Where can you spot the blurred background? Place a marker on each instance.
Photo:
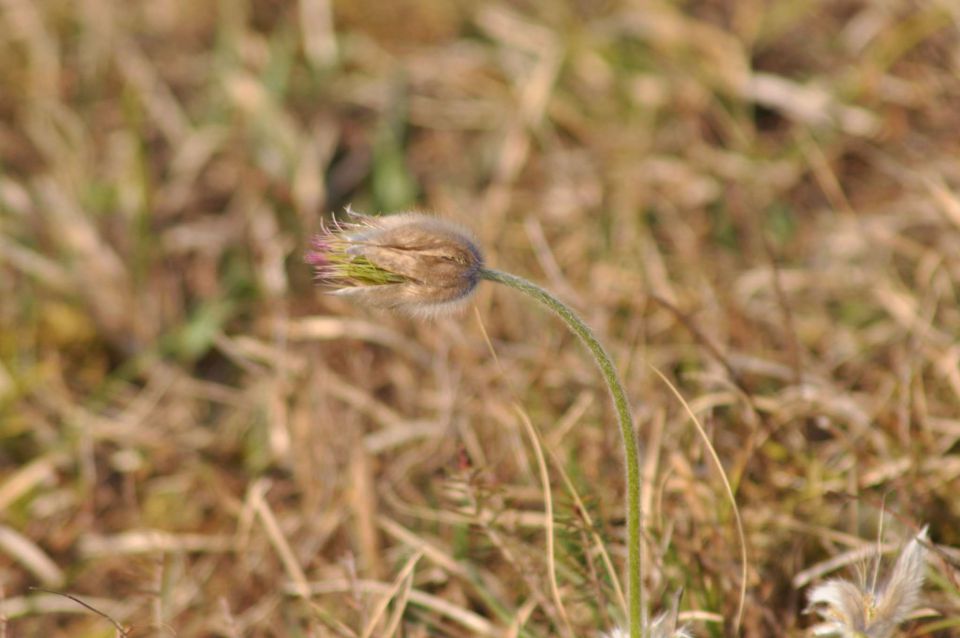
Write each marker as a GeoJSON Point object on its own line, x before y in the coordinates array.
{"type": "Point", "coordinates": [757, 198]}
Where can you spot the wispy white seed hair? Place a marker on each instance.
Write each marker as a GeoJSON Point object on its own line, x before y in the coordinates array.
{"type": "Point", "coordinates": [872, 610]}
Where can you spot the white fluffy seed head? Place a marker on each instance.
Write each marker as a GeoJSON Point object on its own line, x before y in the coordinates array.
{"type": "Point", "coordinates": [872, 611]}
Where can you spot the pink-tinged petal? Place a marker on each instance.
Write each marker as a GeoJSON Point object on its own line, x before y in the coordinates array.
{"type": "Point", "coordinates": [319, 252]}
{"type": "Point", "coordinates": [316, 259]}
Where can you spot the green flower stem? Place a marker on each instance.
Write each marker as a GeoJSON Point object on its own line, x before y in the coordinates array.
{"type": "Point", "coordinates": [624, 419]}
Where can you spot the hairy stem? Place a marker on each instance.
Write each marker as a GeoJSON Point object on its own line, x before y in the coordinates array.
{"type": "Point", "coordinates": [635, 600]}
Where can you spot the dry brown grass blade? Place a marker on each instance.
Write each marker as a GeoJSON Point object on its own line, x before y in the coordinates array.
{"type": "Point", "coordinates": [463, 617]}
{"type": "Point", "coordinates": [403, 582]}
{"type": "Point", "coordinates": [520, 619]}
{"type": "Point", "coordinates": [536, 444]}
{"type": "Point", "coordinates": [741, 537]}
{"type": "Point", "coordinates": [841, 560]}
{"type": "Point", "coordinates": [46, 271]}
{"type": "Point", "coordinates": [422, 546]}
{"type": "Point", "coordinates": [258, 505]}
{"type": "Point", "coordinates": [317, 30]}
{"type": "Point", "coordinates": [28, 477]}
{"type": "Point", "coordinates": [121, 631]}
{"type": "Point", "coordinates": [598, 545]}
{"type": "Point", "coordinates": [363, 506]}
{"type": "Point", "coordinates": [32, 557]}
{"type": "Point", "coordinates": [152, 541]}
{"type": "Point", "coordinates": [396, 616]}
{"type": "Point", "coordinates": [337, 328]}
{"type": "Point", "coordinates": [57, 603]}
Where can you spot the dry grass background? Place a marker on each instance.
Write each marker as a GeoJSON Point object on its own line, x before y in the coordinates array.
{"type": "Point", "coordinates": [760, 199]}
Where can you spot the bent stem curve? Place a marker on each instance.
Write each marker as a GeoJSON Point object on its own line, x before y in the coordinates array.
{"type": "Point", "coordinates": [636, 606]}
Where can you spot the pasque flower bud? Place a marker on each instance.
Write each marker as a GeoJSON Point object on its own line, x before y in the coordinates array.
{"type": "Point", "coordinates": [425, 266]}
{"type": "Point", "coordinates": [410, 262]}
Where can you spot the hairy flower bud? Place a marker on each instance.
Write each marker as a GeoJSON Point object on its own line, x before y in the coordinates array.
{"type": "Point", "coordinates": [410, 262]}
